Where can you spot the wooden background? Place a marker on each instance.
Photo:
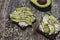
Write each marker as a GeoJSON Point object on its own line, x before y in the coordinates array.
{"type": "Point", "coordinates": [10, 31]}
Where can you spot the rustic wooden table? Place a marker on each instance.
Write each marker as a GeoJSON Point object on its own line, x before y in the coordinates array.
{"type": "Point", "coordinates": [10, 31]}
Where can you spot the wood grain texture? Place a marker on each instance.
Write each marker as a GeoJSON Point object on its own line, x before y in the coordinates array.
{"type": "Point", "coordinates": [10, 31]}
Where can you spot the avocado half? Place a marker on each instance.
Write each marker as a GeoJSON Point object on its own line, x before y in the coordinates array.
{"type": "Point", "coordinates": [41, 6]}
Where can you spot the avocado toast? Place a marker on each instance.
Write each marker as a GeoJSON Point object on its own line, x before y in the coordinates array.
{"type": "Point", "coordinates": [23, 16]}
{"type": "Point", "coordinates": [49, 24]}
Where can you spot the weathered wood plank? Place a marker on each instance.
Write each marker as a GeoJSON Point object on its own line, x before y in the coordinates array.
{"type": "Point", "coordinates": [10, 31]}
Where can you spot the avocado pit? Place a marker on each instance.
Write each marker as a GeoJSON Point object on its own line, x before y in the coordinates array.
{"type": "Point", "coordinates": [42, 2]}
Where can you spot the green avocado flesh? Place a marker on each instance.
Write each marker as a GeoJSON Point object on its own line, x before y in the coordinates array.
{"type": "Point", "coordinates": [42, 6]}
{"type": "Point", "coordinates": [22, 14]}
{"type": "Point", "coordinates": [45, 27]}
{"type": "Point", "coordinates": [50, 24]}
